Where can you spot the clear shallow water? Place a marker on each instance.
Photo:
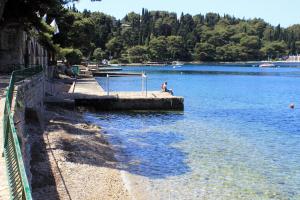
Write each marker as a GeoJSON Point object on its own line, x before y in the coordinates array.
{"type": "Point", "coordinates": [236, 139]}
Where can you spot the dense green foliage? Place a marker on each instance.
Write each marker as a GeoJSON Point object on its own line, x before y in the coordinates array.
{"type": "Point", "coordinates": [28, 13]}
{"type": "Point", "coordinates": [156, 35]}
{"type": "Point", "coordinates": [98, 54]}
{"type": "Point", "coordinates": [73, 56]}
{"type": "Point", "coordinates": [162, 36]}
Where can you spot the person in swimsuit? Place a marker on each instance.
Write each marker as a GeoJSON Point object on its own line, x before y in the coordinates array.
{"type": "Point", "coordinates": [165, 89]}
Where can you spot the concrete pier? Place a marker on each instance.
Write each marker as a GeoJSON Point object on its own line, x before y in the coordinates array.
{"type": "Point", "coordinates": [88, 93]}
{"type": "Point", "coordinates": [115, 74]}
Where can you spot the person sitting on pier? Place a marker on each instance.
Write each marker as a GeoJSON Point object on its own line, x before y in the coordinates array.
{"type": "Point", "coordinates": [165, 89]}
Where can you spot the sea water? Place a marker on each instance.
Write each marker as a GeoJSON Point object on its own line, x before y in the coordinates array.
{"type": "Point", "coordinates": [237, 137]}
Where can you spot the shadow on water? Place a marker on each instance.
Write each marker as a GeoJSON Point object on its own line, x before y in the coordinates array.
{"type": "Point", "coordinates": [152, 155]}
{"type": "Point", "coordinates": [137, 146]}
{"type": "Point", "coordinates": [141, 149]}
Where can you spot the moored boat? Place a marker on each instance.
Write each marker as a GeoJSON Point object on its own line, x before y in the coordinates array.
{"type": "Point", "coordinates": [267, 65]}
{"type": "Point", "coordinates": [177, 63]}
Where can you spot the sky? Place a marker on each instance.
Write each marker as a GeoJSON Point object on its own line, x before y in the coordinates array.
{"type": "Point", "coordinates": [276, 12]}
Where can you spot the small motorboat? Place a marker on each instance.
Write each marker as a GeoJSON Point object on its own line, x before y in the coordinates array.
{"type": "Point", "coordinates": [177, 63]}
{"type": "Point", "coordinates": [267, 65]}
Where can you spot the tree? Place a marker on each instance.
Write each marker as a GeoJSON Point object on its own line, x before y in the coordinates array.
{"type": "Point", "coordinates": [26, 10]}
{"type": "Point", "coordinates": [103, 28]}
{"type": "Point", "coordinates": [176, 48]}
{"type": "Point", "coordinates": [138, 54]}
{"type": "Point", "coordinates": [268, 34]}
{"type": "Point", "coordinates": [205, 52]}
{"type": "Point", "coordinates": [158, 49]}
{"type": "Point", "coordinates": [131, 31]}
{"type": "Point", "coordinates": [73, 56]}
{"type": "Point", "coordinates": [231, 52]}
{"type": "Point", "coordinates": [82, 31]}
{"type": "Point", "coordinates": [211, 19]}
{"type": "Point", "coordinates": [274, 49]}
{"type": "Point", "coordinates": [259, 26]}
{"type": "Point", "coordinates": [209, 37]}
{"type": "Point", "coordinates": [115, 47]}
{"type": "Point", "coordinates": [98, 54]}
{"type": "Point", "coordinates": [186, 25]}
{"type": "Point", "coordinates": [252, 46]}
{"type": "Point", "coordinates": [297, 47]}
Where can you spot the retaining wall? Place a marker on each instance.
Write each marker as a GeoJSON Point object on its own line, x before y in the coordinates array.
{"type": "Point", "coordinates": [28, 99]}
{"type": "Point", "coordinates": [115, 103]}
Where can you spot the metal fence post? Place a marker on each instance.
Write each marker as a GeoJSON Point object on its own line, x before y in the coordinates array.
{"type": "Point", "coordinates": [142, 83]}
{"type": "Point", "coordinates": [146, 85]}
{"type": "Point", "coordinates": [107, 84]}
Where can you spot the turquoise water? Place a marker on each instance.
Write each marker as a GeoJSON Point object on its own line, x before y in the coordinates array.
{"type": "Point", "coordinates": [236, 139]}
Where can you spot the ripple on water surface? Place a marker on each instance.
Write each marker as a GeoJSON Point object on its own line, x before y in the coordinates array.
{"type": "Point", "coordinates": [197, 159]}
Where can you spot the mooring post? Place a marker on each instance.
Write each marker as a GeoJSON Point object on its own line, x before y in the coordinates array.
{"type": "Point", "coordinates": [142, 83]}
{"type": "Point", "coordinates": [107, 84]}
{"type": "Point", "coordinates": [146, 84]}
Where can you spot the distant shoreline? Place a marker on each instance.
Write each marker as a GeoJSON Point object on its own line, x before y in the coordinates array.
{"type": "Point", "coordinates": [205, 63]}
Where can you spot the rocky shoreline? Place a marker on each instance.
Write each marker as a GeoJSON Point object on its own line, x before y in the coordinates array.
{"type": "Point", "coordinates": [71, 159]}
{"type": "Point", "coordinates": [74, 161]}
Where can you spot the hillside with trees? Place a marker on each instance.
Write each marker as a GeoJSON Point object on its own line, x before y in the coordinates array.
{"type": "Point", "coordinates": [162, 36]}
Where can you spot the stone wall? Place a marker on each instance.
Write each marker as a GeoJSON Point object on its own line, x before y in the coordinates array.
{"type": "Point", "coordinates": [28, 99]}
{"type": "Point", "coordinates": [115, 103]}
{"type": "Point", "coordinates": [18, 48]}
{"type": "Point", "coordinates": [2, 5]}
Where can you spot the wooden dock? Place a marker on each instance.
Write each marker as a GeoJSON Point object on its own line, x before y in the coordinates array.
{"type": "Point", "coordinates": [88, 93]}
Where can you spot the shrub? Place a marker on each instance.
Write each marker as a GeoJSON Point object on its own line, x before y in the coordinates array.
{"type": "Point", "coordinates": [73, 56]}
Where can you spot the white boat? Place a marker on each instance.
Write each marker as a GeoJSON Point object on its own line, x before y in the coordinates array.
{"type": "Point", "coordinates": [177, 63]}
{"type": "Point", "coordinates": [114, 65]}
{"type": "Point", "coordinates": [267, 65]}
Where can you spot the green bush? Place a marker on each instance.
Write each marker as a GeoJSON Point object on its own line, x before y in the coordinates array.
{"type": "Point", "coordinates": [73, 56]}
{"type": "Point", "coordinates": [138, 54]}
{"type": "Point", "coordinates": [123, 60]}
{"type": "Point", "coordinates": [98, 54]}
{"type": "Point", "coordinates": [114, 61]}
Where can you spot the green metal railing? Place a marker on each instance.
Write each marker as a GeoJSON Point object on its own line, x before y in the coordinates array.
{"type": "Point", "coordinates": [18, 182]}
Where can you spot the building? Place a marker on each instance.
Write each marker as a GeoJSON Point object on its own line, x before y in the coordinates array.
{"type": "Point", "coordinates": [2, 4]}
{"type": "Point", "coordinates": [293, 58]}
{"type": "Point", "coordinates": [19, 48]}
